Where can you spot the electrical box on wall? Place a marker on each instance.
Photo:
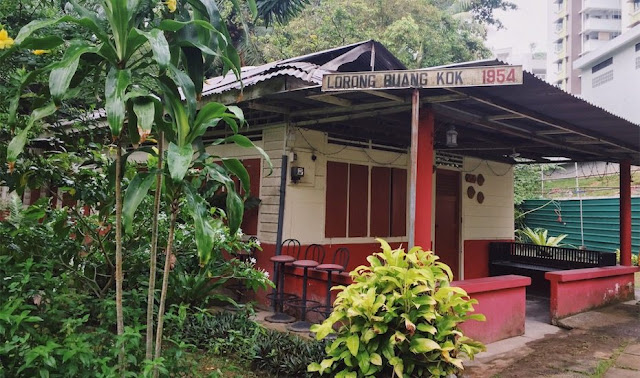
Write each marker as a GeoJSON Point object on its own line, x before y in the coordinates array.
{"type": "Point", "coordinates": [303, 169]}
{"type": "Point", "coordinates": [297, 173]}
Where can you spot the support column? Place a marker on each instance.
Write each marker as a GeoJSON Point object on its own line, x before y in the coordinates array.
{"type": "Point", "coordinates": [423, 170]}
{"type": "Point", "coordinates": [625, 213]}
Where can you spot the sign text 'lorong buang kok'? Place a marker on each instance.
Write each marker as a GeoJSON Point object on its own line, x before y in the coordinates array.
{"type": "Point", "coordinates": [426, 78]}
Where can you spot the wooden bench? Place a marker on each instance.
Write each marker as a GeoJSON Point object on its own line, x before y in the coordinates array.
{"type": "Point", "coordinates": [535, 260]}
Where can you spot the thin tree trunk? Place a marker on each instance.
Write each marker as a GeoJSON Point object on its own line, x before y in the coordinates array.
{"type": "Point", "coordinates": [154, 251]}
{"type": "Point", "coordinates": [165, 283]}
{"type": "Point", "coordinates": [119, 273]}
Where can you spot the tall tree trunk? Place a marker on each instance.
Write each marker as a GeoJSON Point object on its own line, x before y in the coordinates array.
{"type": "Point", "coordinates": [154, 250]}
{"type": "Point", "coordinates": [165, 283]}
{"type": "Point", "coordinates": [119, 274]}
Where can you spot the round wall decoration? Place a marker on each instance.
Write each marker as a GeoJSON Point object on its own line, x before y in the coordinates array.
{"type": "Point", "coordinates": [480, 197]}
{"type": "Point", "coordinates": [471, 191]}
{"type": "Point", "coordinates": [480, 179]}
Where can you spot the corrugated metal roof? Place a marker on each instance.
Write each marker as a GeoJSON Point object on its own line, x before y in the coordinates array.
{"type": "Point", "coordinates": [307, 67]}
{"type": "Point", "coordinates": [309, 72]}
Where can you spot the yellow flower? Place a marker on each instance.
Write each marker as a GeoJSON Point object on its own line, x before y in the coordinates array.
{"type": "Point", "coordinates": [5, 40]}
{"type": "Point", "coordinates": [40, 52]}
{"type": "Point", "coordinates": [172, 5]}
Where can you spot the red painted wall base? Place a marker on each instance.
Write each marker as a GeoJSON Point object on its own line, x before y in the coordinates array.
{"type": "Point", "coordinates": [502, 300]}
{"type": "Point", "coordinates": [476, 258]}
{"type": "Point", "coordinates": [579, 290]}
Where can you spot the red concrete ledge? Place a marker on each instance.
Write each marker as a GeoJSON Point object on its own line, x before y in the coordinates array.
{"type": "Point", "coordinates": [580, 290]}
{"type": "Point", "coordinates": [590, 273]}
{"type": "Point", "coordinates": [479, 285]}
{"type": "Point", "coordinates": [502, 300]}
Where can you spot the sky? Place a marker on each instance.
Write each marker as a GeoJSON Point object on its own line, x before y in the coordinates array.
{"type": "Point", "coordinates": [523, 26]}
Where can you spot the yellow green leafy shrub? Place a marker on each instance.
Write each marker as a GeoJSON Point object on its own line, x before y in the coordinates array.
{"type": "Point", "coordinates": [399, 318]}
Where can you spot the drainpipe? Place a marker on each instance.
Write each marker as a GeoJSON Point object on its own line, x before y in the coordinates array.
{"type": "Point", "coordinates": [283, 190]}
{"type": "Point", "coordinates": [415, 116]}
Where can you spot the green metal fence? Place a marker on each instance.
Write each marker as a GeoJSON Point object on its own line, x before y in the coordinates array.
{"type": "Point", "coordinates": [600, 221]}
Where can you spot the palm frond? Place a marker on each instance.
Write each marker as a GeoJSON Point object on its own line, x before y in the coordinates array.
{"type": "Point", "coordinates": [279, 11]}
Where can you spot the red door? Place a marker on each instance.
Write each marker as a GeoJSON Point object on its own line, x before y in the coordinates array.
{"type": "Point", "coordinates": [447, 243]}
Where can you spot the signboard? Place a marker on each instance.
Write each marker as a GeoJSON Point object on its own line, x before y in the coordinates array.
{"type": "Point", "coordinates": [429, 78]}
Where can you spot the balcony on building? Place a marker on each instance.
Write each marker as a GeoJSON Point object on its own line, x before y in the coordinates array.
{"type": "Point", "coordinates": [560, 7]}
{"type": "Point", "coordinates": [593, 24]}
{"type": "Point", "coordinates": [592, 44]}
{"type": "Point", "coordinates": [589, 5]}
{"type": "Point", "coordinates": [559, 27]}
{"type": "Point", "coordinates": [560, 49]}
{"type": "Point", "coordinates": [634, 8]}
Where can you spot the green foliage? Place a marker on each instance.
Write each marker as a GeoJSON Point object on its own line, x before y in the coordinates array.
{"type": "Point", "coordinates": [279, 10]}
{"type": "Point", "coordinates": [526, 182]}
{"type": "Point", "coordinates": [540, 236]}
{"type": "Point", "coordinates": [284, 354]}
{"type": "Point", "coordinates": [399, 317]}
{"type": "Point", "coordinates": [419, 33]}
{"type": "Point", "coordinates": [236, 334]}
{"type": "Point", "coordinates": [56, 300]}
{"type": "Point", "coordinates": [221, 333]}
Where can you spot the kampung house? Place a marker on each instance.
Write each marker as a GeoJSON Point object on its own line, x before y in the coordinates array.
{"type": "Point", "coordinates": [430, 167]}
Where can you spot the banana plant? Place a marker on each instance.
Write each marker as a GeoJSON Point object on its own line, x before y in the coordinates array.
{"type": "Point", "coordinates": [150, 63]}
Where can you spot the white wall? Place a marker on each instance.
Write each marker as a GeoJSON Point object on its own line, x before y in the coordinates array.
{"type": "Point", "coordinates": [306, 201]}
{"type": "Point", "coordinates": [492, 219]}
{"type": "Point", "coordinates": [620, 95]}
{"type": "Point", "coordinates": [305, 204]}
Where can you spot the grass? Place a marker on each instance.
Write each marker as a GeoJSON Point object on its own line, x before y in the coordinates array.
{"type": "Point", "coordinates": [604, 365]}
{"type": "Point", "coordinates": [598, 186]}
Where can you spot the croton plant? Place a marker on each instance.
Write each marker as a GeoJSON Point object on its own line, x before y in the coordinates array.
{"type": "Point", "coordinates": [399, 318]}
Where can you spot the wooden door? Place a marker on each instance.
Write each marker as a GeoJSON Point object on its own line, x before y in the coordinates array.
{"type": "Point", "coordinates": [447, 233]}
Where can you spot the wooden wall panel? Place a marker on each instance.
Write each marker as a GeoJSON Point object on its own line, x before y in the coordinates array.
{"type": "Point", "coordinates": [380, 222]}
{"type": "Point", "coordinates": [358, 199]}
{"type": "Point", "coordinates": [250, 220]}
{"type": "Point", "coordinates": [336, 209]}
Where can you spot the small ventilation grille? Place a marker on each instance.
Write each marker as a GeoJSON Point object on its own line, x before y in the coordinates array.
{"type": "Point", "coordinates": [363, 143]}
{"type": "Point", "coordinates": [447, 159]}
{"type": "Point", "coordinates": [602, 79]}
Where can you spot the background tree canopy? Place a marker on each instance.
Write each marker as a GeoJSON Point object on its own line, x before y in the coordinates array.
{"type": "Point", "coordinates": [420, 33]}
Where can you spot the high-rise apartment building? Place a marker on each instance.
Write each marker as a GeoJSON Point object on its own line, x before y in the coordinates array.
{"type": "Point", "coordinates": [534, 61]}
{"type": "Point", "coordinates": [577, 27]}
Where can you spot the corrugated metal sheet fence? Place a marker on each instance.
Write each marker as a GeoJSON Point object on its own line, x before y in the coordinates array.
{"type": "Point", "coordinates": [601, 221]}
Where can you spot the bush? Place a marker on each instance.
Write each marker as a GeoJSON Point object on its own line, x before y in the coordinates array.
{"type": "Point", "coordinates": [236, 334]}
{"type": "Point", "coordinates": [399, 317]}
{"type": "Point", "coordinates": [284, 354]}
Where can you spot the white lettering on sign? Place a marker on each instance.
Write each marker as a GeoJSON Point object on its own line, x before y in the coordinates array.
{"type": "Point", "coordinates": [443, 78]}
